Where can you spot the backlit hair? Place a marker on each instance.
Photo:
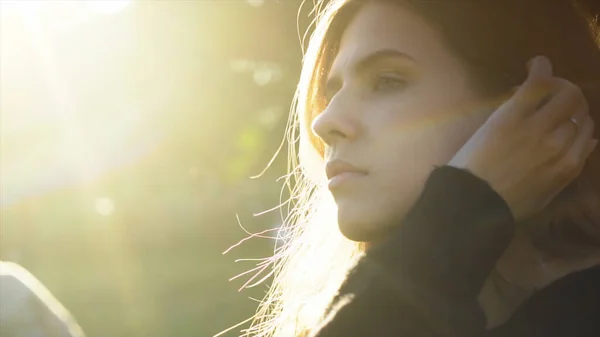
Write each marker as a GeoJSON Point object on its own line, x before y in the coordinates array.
{"type": "Point", "coordinates": [495, 39]}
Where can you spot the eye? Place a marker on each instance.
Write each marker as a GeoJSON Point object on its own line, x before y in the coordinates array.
{"type": "Point", "coordinates": [388, 81]}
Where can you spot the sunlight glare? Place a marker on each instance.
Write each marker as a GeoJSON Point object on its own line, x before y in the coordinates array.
{"type": "Point", "coordinates": [25, 8]}
{"type": "Point", "coordinates": [109, 6]}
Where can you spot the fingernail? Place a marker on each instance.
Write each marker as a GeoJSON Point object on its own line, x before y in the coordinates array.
{"type": "Point", "coordinates": [544, 65]}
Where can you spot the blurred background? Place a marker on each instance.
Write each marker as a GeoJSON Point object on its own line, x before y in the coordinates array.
{"type": "Point", "coordinates": [129, 131]}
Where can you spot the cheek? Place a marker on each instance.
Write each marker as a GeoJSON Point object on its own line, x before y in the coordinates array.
{"type": "Point", "coordinates": [407, 155]}
{"type": "Point", "coordinates": [406, 161]}
{"type": "Point", "coordinates": [416, 129]}
{"type": "Point", "coordinates": [422, 145]}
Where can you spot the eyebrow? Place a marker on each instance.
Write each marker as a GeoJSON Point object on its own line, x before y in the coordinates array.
{"type": "Point", "coordinates": [368, 61]}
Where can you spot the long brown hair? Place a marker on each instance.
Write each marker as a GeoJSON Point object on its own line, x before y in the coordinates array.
{"type": "Point", "coordinates": [495, 39]}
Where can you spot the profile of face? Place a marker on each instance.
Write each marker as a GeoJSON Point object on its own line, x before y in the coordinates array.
{"type": "Point", "coordinates": [399, 102]}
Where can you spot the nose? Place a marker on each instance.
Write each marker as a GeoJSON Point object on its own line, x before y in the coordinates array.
{"type": "Point", "coordinates": [338, 122]}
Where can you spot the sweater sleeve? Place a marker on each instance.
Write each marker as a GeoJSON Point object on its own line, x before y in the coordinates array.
{"type": "Point", "coordinates": [424, 280]}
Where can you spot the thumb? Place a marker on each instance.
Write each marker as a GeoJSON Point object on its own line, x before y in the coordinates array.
{"type": "Point", "coordinates": [537, 88]}
{"type": "Point", "coordinates": [538, 67]}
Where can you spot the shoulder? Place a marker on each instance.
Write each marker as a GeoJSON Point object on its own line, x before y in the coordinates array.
{"type": "Point", "coordinates": [18, 286]}
{"type": "Point", "coordinates": [14, 291]}
{"type": "Point", "coordinates": [28, 305]}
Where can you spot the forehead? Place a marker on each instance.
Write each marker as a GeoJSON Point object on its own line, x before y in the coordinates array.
{"type": "Point", "coordinates": [384, 25]}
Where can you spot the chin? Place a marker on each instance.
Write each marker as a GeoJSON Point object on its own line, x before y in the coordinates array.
{"type": "Point", "coordinates": [362, 228]}
{"type": "Point", "coordinates": [369, 220]}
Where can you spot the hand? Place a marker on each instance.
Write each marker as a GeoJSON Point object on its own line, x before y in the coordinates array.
{"type": "Point", "coordinates": [530, 148]}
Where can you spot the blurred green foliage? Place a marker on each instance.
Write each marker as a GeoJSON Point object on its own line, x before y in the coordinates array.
{"type": "Point", "coordinates": [207, 86]}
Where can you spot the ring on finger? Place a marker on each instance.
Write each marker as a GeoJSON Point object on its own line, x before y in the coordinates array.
{"type": "Point", "coordinates": [574, 121]}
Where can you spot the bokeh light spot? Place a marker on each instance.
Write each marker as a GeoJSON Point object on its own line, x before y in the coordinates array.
{"type": "Point", "coordinates": [105, 206]}
{"type": "Point", "coordinates": [256, 3]}
{"type": "Point", "coordinates": [263, 76]}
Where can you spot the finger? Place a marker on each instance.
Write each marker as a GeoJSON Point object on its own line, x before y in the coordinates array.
{"type": "Point", "coordinates": [592, 145]}
{"type": "Point", "coordinates": [568, 102]}
{"type": "Point", "coordinates": [563, 137]}
{"type": "Point", "coordinates": [538, 86]}
{"type": "Point", "coordinates": [539, 66]}
{"type": "Point", "coordinates": [581, 115]}
{"type": "Point", "coordinates": [585, 134]}
{"type": "Point", "coordinates": [577, 169]}
{"type": "Point", "coordinates": [578, 151]}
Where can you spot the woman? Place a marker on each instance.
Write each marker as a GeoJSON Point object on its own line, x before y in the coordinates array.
{"type": "Point", "coordinates": [467, 185]}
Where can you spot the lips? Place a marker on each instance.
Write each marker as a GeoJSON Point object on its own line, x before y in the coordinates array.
{"type": "Point", "coordinates": [339, 167]}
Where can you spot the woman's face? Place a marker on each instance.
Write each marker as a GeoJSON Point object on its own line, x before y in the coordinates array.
{"type": "Point", "coordinates": [399, 103]}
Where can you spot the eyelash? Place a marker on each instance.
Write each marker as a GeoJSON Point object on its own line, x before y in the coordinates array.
{"type": "Point", "coordinates": [398, 81]}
